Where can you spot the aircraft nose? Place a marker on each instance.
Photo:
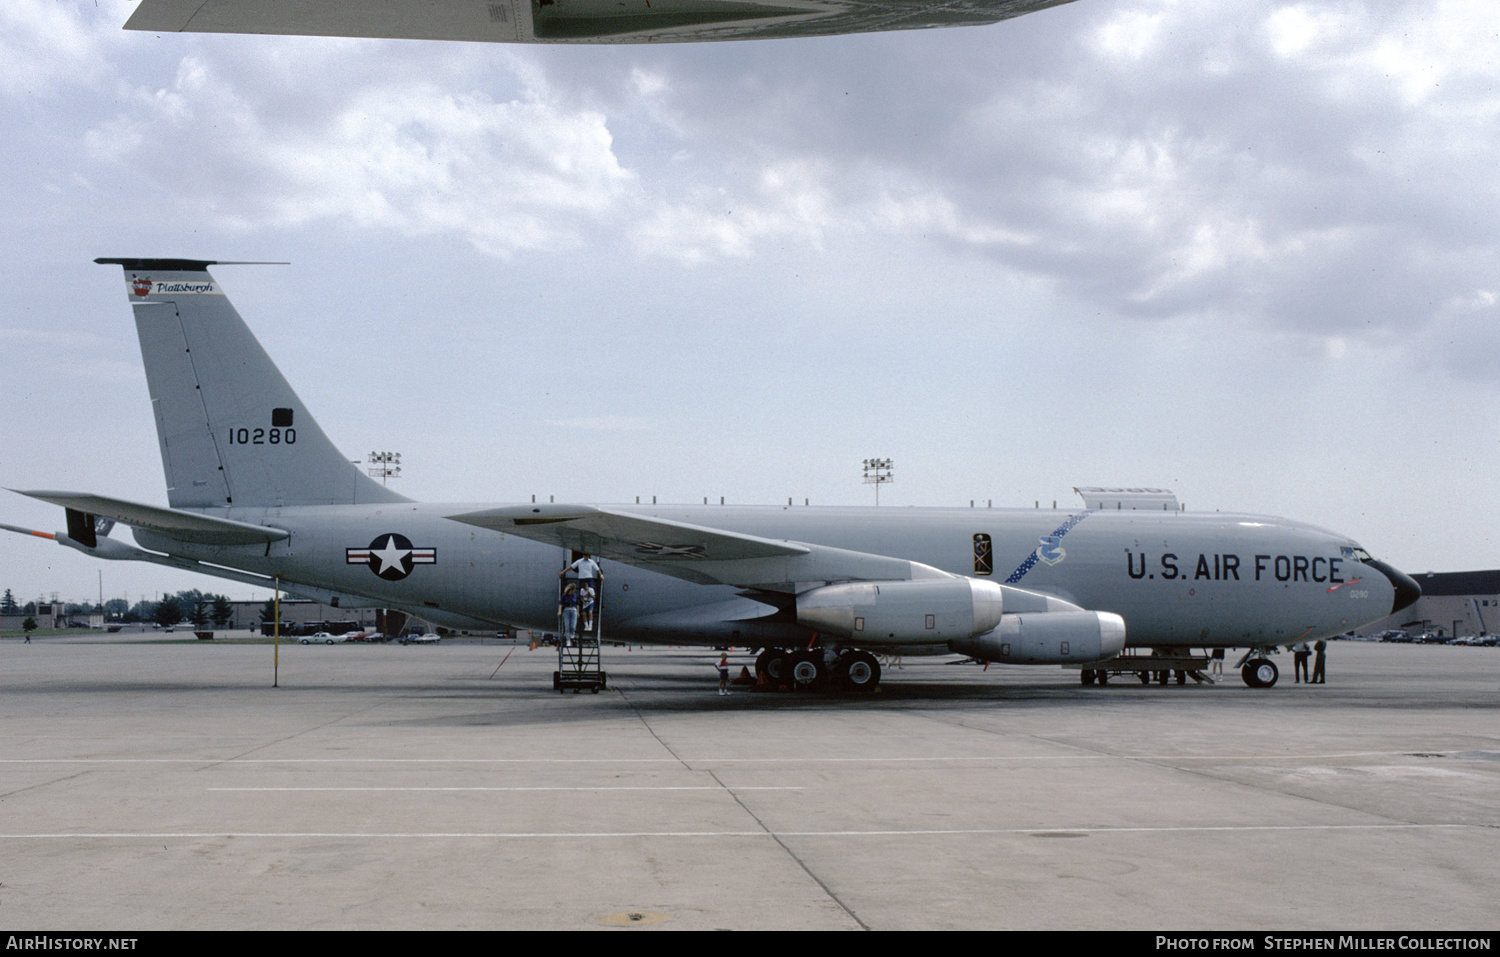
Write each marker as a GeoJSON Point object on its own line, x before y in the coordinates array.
{"type": "Point", "coordinates": [1407, 590]}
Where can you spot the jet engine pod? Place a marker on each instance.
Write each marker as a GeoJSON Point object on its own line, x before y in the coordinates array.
{"type": "Point", "coordinates": [929, 611]}
{"type": "Point", "coordinates": [1049, 638]}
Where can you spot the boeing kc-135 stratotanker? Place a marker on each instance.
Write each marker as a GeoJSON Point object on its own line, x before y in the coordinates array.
{"type": "Point", "coordinates": [257, 493]}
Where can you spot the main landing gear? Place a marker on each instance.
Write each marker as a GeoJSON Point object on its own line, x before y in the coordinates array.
{"type": "Point", "coordinates": [816, 670]}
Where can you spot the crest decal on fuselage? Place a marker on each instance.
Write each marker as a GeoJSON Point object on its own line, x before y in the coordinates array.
{"type": "Point", "coordinates": [1050, 550]}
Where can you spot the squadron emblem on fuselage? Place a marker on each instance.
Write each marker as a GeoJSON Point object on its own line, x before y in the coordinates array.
{"type": "Point", "coordinates": [1050, 550]}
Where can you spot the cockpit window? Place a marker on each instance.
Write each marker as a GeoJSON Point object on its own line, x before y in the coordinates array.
{"type": "Point", "coordinates": [1356, 553]}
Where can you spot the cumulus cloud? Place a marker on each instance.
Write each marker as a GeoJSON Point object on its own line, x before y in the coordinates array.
{"type": "Point", "coordinates": [1264, 164]}
{"type": "Point", "coordinates": [789, 200]}
{"type": "Point", "coordinates": [1249, 198]}
{"type": "Point", "coordinates": [413, 158]}
{"type": "Point", "coordinates": [44, 43]}
{"type": "Point", "coordinates": [1258, 164]}
{"type": "Point", "coordinates": [506, 175]}
{"type": "Point", "coordinates": [1326, 170]}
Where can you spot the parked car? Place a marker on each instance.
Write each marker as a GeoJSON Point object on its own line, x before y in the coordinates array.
{"type": "Point", "coordinates": [427, 639]}
{"type": "Point", "coordinates": [324, 638]}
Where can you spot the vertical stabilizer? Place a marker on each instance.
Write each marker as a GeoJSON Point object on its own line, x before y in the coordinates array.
{"type": "Point", "coordinates": [232, 431]}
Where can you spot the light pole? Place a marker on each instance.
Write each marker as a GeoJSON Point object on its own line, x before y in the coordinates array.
{"type": "Point", "coordinates": [384, 465]}
{"type": "Point", "coordinates": [877, 473]}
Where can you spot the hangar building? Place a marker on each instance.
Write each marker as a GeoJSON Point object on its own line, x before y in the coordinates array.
{"type": "Point", "coordinates": [1452, 603]}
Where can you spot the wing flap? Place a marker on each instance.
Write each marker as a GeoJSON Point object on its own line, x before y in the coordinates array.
{"type": "Point", "coordinates": [695, 553]}
{"type": "Point", "coordinates": [171, 522]}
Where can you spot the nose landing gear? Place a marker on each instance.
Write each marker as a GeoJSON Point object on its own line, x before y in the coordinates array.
{"type": "Point", "coordinates": [1259, 672]}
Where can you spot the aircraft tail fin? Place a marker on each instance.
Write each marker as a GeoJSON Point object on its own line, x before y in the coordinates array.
{"type": "Point", "coordinates": [232, 431]}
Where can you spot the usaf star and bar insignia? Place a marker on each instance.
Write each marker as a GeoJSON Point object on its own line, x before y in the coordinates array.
{"type": "Point", "coordinates": [391, 556]}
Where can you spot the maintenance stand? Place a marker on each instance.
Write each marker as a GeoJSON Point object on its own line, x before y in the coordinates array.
{"type": "Point", "coordinates": [579, 617]}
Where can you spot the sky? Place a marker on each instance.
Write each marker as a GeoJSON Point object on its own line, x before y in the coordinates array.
{"type": "Point", "coordinates": [1247, 252]}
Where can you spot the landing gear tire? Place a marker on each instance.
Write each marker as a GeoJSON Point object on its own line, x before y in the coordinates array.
{"type": "Point", "coordinates": [1259, 673]}
{"type": "Point", "coordinates": [808, 671]}
{"type": "Point", "coordinates": [1086, 676]}
{"type": "Point", "coordinates": [860, 671]}
{"type": "Point", "coordinates": [773, 664]}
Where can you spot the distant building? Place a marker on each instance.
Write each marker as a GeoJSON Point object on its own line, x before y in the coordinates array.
{"type": "Point", "coordinates": [1452, 603]}
{"type": "Point", "coordinates": [299, 615]}
{"type": "Point", "coordinates": [297, 612]}
{"type": "Point", "coordinates": [51, 615]}
{"type": "Point", "coordinates": [296, 616]}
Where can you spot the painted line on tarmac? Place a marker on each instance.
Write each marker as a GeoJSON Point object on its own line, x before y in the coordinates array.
{"type": "Point", "coordinates": [601, 787]}
{"type": "Point", "coordinates": [588, 835]}
{"type": "Point", "coordinates": [884, 759]}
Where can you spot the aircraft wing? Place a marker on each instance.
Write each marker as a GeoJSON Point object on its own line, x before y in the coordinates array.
{"type": "Point", "coordinates": [171, 522]}
{"type": "Point", "coordinates": [696, 553]}
{"type": "Point", "coordinates": [570, 21]}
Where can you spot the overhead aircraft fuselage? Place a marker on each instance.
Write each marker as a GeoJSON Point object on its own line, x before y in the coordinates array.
{"type": "Point", "coordinates": [571, 21]}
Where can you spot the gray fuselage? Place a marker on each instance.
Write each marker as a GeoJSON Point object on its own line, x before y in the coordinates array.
{"type": "Point", "coordinates": [1177, 579]}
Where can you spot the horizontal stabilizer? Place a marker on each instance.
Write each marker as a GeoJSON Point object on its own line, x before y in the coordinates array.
{"type": "Point", "coordinates": [171, 522]}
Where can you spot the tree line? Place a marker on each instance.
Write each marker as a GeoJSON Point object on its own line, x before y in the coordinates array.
{"type": "Point", "coordinates": [199, 607]}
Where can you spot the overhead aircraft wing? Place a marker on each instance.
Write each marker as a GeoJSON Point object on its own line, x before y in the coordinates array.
{"type": "Point", "coordinates": [695, 553]}
{"type": "Point", "coordinates": [570, 21]}
{"type": "Point", "coordinates": [172, 522]}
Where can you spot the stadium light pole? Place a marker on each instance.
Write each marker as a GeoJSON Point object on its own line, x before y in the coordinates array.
{"type": "Point", "coordinates": [384, 465]}
{"type": "Point", "coordinates": [878, 472]}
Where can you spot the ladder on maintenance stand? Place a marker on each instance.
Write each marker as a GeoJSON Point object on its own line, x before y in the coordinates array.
{"type": "Point", "coordinates": [579, 616]}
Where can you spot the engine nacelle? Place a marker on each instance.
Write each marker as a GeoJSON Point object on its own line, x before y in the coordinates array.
{"type": "Point", "coordinates": [928, 611]}
{"type": "Point", "coordinates": [1048, 638]}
